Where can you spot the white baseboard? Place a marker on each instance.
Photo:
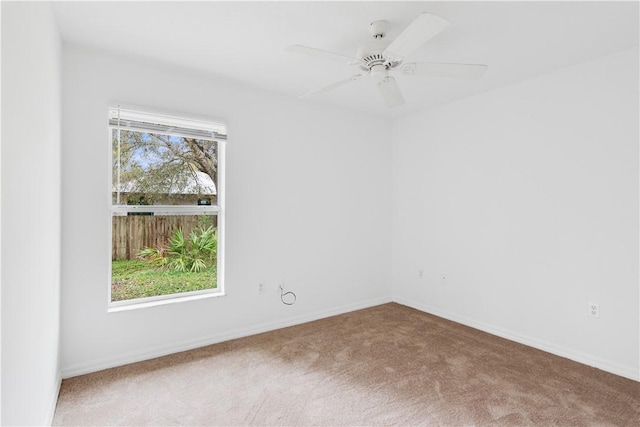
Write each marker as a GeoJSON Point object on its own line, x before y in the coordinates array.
{"type": "Point", "coordinates": [176, 347]}
{"type": "Point", "coordinates": [53, 399]}
{"type": "Point", "coordinates": [577, 356]}
{"type": "Point", "coordinates": [123, 359]}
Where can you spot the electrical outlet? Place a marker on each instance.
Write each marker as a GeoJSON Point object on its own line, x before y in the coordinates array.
{"type": "Point", "coordinates": [594, 309]}
{"type": "Point", "coordinates": [262, 288]}
{"type": "Point", "coordinates": [420, 274]}
{"type": "Point", "coordinates": [443, 279]}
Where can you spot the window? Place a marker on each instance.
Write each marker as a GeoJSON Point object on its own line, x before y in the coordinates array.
{"type": "Point", "coordinates": [167, 206]}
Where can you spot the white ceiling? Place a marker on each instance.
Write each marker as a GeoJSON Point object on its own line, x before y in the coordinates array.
{"type": "Point", "coordinates": [245, 41]}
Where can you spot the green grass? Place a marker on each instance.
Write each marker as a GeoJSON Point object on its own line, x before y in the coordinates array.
{"type": "Point", "coordinates": [138, 279]}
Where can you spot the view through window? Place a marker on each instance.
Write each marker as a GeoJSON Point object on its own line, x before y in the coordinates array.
{"type": "Point", "coordinates": [166, 205]}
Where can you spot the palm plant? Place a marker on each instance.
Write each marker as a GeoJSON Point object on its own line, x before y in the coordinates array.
{"type": "Point", "coordinates": [194, 254]}
{"type": "Point", "coordinates": [155, 256]}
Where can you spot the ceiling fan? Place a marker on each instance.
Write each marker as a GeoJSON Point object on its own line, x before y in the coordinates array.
{"type": "Point", "coordinates": [381, 57]}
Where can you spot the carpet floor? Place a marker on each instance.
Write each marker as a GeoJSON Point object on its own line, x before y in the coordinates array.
{"type": "Point", "coordinates": [385, 365]}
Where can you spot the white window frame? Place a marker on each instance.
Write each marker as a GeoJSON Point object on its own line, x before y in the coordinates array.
{"type": "Point", "coordinates": [184, 121]}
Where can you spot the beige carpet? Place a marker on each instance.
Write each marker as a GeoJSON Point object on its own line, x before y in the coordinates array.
{"type": "Point", "coordinates": [386, 365]}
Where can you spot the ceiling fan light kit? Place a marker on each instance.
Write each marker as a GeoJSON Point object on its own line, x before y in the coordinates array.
{"type": "Point", "coordinates": [390, 92]}
{"type": "Point", "coordinates": [379, 58]}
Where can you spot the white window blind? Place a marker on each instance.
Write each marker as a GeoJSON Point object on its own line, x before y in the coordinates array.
{"type": "Point", "coordinates": [139, 121]}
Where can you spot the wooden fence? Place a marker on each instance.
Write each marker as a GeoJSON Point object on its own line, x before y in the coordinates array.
{"type": "Point", "coordinates": [132, 233]}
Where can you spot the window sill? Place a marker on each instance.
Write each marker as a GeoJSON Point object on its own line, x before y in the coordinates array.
{"type": "Point", "coordinates": [144, 303]}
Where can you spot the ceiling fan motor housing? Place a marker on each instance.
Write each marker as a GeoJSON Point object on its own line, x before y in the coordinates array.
{"type": "Point", "coordinates": [377, 63]}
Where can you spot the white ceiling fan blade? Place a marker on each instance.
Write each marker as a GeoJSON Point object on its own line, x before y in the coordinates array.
{"type": "Point", "coordinates": [444, 70]}
{"type": "Point", "coordinates": [332, 86]}
{"type": "Point", "coordinates": [390, 92]}
{"type": "Point", "coordinates": [319, 53]}
{"type": "Point", "coordinates": [421, 30]}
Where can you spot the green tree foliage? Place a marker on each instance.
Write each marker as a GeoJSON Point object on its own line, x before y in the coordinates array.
{"type": "Point", "coordinates": [153, 164]}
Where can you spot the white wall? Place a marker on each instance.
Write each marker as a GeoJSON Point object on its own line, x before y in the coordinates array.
{"type": "Point", "coordinates": [31, 87]}
{"type": "Point", "coordinates": [526, 199]}
{"type": "Point", "coordinates": [307, 201]}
